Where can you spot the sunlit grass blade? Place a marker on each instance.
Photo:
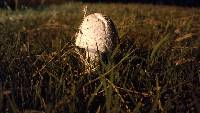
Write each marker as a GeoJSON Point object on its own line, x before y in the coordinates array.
{"type": "Point", "coordinates": [159, 45]}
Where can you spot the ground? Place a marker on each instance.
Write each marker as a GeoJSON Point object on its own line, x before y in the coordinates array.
{"type": "Point", "coordinates": [154, 68]}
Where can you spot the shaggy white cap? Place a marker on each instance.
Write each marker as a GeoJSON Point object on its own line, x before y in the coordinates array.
{"type": "Point", "coordinates": [96, 33]}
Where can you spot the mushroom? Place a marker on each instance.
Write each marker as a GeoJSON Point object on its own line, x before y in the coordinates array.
{"type": "Point", "coordinates": [97, 35]}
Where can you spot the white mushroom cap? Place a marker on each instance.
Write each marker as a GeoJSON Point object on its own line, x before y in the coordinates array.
{"type": "Point", "coordinates": [96, 33]}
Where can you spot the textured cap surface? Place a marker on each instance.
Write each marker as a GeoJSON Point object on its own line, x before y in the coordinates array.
{"type": "Point", "coordinates": [96, 33]}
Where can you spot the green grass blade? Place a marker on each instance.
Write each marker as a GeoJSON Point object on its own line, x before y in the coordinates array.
{"type": "Point", "coordinates": [159, 45]}
{"type": "Point", "coordinates": [137, 108]}
{"type": "Point", "coordinates": [94, 94]}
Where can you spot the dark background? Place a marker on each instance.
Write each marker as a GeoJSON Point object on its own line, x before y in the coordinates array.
{"type": "Point", "coordinates": [35, 3]}
{"type": "Point", "coordinates": [167, 2]}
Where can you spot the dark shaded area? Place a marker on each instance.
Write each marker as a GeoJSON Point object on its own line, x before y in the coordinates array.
{"type": "Point", "coordinates": [13, 4]}
{"type": "Point", "coordinates": [189, 3]}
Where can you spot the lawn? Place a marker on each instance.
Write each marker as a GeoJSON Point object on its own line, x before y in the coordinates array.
{"type": "Point", "coordinates": [154, 68]}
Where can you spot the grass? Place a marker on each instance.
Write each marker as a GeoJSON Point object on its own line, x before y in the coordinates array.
{"type": "Point", "coordinates": [154, 68]}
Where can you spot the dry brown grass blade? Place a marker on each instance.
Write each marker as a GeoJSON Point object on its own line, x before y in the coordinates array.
{"type": "Point", "coordinates": [184, 61]}
{"type": "Point", "coordinates": [145, 94]}
{"type": "Point", "coordinates": [33, 111]}
{"type": "Point", "coordinates": [7, 92]}
{"type": "Point", "coordinates": [185, 37]}
{"type": "Point", "coordinates": [98, 110]}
